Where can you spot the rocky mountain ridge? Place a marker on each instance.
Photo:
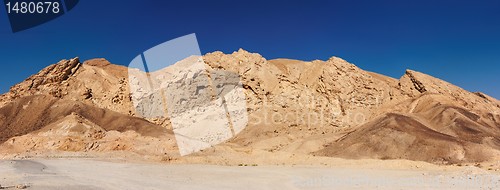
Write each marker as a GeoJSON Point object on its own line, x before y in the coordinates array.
{"type": "Point", "coordinates": [319, 108]}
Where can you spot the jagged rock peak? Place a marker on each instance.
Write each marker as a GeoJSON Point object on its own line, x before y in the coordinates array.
{"type": "Point", "coordinates": [342, 64]}
{"type": "Point", "coordinates": [242, 54]}
{"type": "Point", "coordinates": [241, 50]}
{"type": "Point", "coordinates": [220, 59]}
{"type": "Point", "coordinates": [336, 59]}
{"type": "Point", "coordinates": [99, 62]}
{"type": "Point", "coordinates": [55, 73]}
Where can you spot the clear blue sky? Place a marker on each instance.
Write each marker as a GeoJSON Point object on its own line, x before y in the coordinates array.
{"type": "Point", "coordinates": [458, 41]}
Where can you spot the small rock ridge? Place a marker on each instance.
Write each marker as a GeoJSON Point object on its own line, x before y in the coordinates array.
{"type": "Point", "coordinates": [418, 85]}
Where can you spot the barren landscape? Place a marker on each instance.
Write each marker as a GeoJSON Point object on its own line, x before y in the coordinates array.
{"type": "Point", "coordinates": [92, 174]}
{"type": "Point", "coordinates": [308, 122]}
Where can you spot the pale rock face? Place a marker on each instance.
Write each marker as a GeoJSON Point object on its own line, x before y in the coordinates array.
{"type": "Point", "coordinates": [205, 106]}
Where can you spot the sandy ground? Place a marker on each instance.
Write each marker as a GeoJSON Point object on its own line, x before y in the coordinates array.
{"type": "Point", "coordinates": [95, 174]}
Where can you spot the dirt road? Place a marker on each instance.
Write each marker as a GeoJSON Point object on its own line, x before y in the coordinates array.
{"type": "Point", "coordinates": [92, 174]}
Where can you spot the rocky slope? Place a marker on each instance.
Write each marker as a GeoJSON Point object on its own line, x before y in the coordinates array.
{"type": "Point", "coordinates": [319, 108]}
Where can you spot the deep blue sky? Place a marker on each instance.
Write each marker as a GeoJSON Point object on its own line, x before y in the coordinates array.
{"type": "Point", "coordinates": [458, 41]}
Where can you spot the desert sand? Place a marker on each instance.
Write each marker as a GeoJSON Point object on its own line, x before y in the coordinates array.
{"type": "Point", "coordinates": [93, 174]}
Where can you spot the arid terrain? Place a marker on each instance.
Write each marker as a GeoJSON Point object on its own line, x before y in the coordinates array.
{"type": "Point", "coordinates": [76, 174]}
{"type": "Point", "coordinates": [317, 113]}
